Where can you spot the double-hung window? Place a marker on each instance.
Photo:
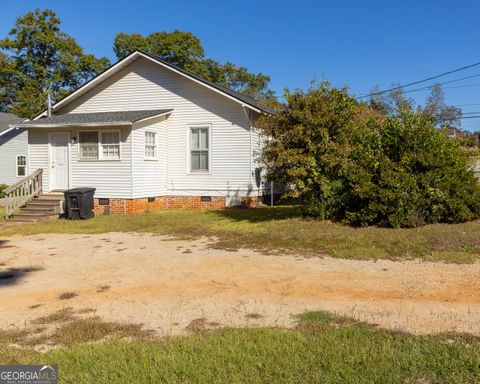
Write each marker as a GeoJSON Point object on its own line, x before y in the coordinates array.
{"type": "Point", "coordinates": [88, 142]}
{"type": "Point", "coordinates": [110, 143]}
{"type": "Point", "coordinates": [21, 166]}
{"type": "Point", "coordinates": [199, 149]}
{"type": "Point", "coordinates": [99, 145]}
{"type": "Point", "coordinates": [150, 145]}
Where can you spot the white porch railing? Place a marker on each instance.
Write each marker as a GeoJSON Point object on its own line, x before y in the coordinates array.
{"type": "Point", "coordinates": [22, 192]}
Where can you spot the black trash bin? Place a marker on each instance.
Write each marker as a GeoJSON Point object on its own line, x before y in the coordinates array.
{"type": "Point", "coordinates": [79, 203]}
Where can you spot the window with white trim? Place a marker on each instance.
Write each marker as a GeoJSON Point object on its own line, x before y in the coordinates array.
{"type": "Point", "coordinates": [150, 145]}
{"type": "Point", "coordinates": [21, 164]}
{"type": "Point", "coordinates": [199, 149]}
{"type": "Point", "coordinates": [99, 145]}
{"type": "Point", "coordinates": [110, 144]}
{"type": "Point", "coordinates": [88, 142]}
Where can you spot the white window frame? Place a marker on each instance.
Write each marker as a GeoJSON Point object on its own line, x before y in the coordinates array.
{"type": "Point", "coordinates": [155, 146]}
{"type": "Point", "coordinates": [189, 148]}
{"type": "Point", "coordinates": [26, 165]}
{"type": "Point", "coordinates": [99, 143]}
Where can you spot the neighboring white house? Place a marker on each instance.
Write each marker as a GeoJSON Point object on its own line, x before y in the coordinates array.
{"type": "Point", "coordinates": [13, 150]}
{"type": "Point", "coordinates": [148, 135]}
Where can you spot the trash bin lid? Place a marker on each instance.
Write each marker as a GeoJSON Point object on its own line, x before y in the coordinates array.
{"type": "Point", "coordinates": [81, 190]}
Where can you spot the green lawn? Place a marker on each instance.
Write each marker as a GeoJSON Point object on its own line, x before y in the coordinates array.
{"type": "Point", "coordinates": [322, 349]}
{"type": "Point", "coordinates": [282, 229]}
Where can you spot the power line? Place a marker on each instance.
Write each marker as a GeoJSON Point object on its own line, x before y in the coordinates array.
{"type": "Point", "coordinates": [465, 117]}
{"type": "Point", "coordinates": [421, 81]}
{"type": "Point", "coordinates": [451, 87]}
{"type": "Point", "coordinates": [445, 82]}
{"type": "Point", "coordinates": [466, 105]}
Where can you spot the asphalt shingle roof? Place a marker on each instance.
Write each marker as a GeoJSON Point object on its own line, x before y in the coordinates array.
{"type": "Point", "coordinates": [96, 118]}
{"type": "Point", "coordinates": [6, 119]}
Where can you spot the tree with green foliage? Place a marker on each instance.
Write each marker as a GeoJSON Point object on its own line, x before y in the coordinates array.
{"type": "Point", "coordinates": [392, 102]}
{"type": "Point", "coordinates": [39, 59]}
{"type": "Point", "coordinates": [351, 163]}
{"type": "Point", "coordinates": [184, 50]}
{"type": "Point", "coordinates": [395, 102]}
{"type": "Point", "coordinates": [178, 48]}
{"type": "Point", "coordinates": [443, 114]}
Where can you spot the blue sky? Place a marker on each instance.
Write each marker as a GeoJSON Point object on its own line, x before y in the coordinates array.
{"type": "Point", "coordinates": [354, 43]}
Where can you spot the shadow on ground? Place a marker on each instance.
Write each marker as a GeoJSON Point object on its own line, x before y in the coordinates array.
{"type": "Point", "coordinates": [12, 276]}
{"type": "Point", "coordinates": [4, 244]}
{"type": "Point", "coordinates": [256, 215]}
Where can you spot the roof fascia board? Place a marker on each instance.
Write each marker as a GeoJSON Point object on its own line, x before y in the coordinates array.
{"type": "Point", "coordinates": [68, 125]}
{"type": "Point", "coordinates": [146, 119]}
{"type": "Point", "coordinates": [8, 130]}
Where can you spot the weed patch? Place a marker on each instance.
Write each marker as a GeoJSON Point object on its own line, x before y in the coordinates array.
{"type": "Point", "coordinates": [67, 295]}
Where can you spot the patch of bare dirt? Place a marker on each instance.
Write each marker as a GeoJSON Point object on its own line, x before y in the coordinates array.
{"type": "Point", "coordinates": [155, 282]}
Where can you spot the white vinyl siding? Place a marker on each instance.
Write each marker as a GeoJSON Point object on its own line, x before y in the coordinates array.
{"type": "Point", "coordinates": [112, 179]}
{"type": "Point", "coordinates": [12, 145]}
{"type": "Point", "coordinates": [145, 85]}
{"type": "Point", "coordinates": [149, 177]}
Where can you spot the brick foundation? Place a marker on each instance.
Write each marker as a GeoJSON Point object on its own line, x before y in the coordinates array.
{"type": "Point", "coordinates": [138, 206]}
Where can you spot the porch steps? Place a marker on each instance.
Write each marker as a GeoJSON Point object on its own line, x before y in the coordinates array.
{"type": "Point", "coordinates": [47, 205]}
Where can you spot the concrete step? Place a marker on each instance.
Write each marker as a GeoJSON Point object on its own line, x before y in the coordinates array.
{"type": "Point", "coordinates": [51, 196]}
{"type": "Point", "coordinates": [50, 202]}
{"type": "Point", "coordinates": [56, 206]}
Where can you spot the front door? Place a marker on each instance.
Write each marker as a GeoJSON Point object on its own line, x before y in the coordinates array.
{"type": "Point", "coordinates": [59, 161]}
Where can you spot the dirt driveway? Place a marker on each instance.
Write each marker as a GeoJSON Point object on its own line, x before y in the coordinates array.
{"type": "Point", "coordinates": [165, 284]}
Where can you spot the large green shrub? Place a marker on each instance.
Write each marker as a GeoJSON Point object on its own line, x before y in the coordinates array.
{"type": "Point", "coordinates": [349, 163]}
{"type": "Point", "coordinates": [3, 187]}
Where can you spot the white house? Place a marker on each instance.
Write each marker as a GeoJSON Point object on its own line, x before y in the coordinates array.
{"type": "Point", "coordinates": [148, 135]}
{"type": "Point", "coordinates": [13, 150]}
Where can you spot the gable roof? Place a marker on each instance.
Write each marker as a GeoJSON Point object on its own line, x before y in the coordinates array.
{"type": "Point", "coordinates": [6, 119]}
{"type": "Point", "coordinates": [96, 119]}
{"type": "Point", "coordinates": [236, 96]}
